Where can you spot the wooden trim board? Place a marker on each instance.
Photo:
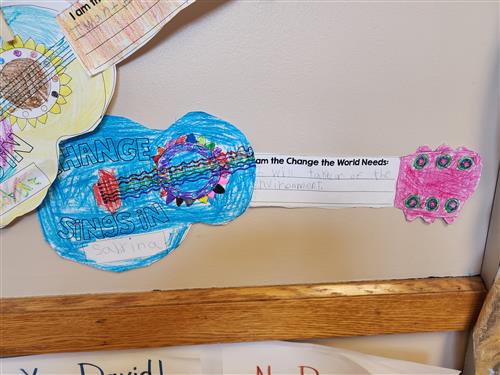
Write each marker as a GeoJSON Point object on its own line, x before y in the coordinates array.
{"type": "Point", "coordinates": [162, 318]}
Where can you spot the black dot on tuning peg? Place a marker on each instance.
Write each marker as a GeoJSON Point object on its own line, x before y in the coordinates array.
{"type": "Point", "coordinates": [178, 201]}
{"type": "Point", "coordinates": [219, 189]}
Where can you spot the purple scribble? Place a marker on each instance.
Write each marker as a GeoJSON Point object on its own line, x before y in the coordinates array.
{"type": "Point", "coordinates": [436, 184]}
{"type": "Point", "coordinates": [6, 144]}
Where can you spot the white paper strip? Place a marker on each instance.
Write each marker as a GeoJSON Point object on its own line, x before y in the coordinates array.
{"type": "Point", "coordinates": [128, 247]}
{"type": "Point", "coordinates": [281, 358]}
{"type": "Point", "coordinates": [333, 182]}
{"type": "Point", "coordinates": [132, 362]}
{"type": "Point", "coordinates": [265, 358]}
{"type": "Point", "coordinates": [21, 186]}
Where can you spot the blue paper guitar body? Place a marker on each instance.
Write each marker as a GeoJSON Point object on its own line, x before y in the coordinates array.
{"type": "Point", "coordinates": [126, 195]}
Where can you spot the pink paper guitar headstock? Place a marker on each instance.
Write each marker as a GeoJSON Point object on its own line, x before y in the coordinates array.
{"type": "Point", "coordinates": [436, 184]}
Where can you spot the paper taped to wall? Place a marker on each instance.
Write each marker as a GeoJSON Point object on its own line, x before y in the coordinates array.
{"type": "Point", "coordinates": [308, 181]}
{"type": "Point", "coordinates": [103, 33]}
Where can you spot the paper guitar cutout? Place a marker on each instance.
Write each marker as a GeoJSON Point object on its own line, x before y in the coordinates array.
{"type": "Point", "coordinates": [126, 195]}
{"type": "Point", "coordinates": [45, 96]}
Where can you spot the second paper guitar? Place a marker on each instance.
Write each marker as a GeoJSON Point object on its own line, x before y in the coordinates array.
{"type": "Point", "coordinates": [45, 96]}
{"type": "Point", "coordinates": [126, 195]}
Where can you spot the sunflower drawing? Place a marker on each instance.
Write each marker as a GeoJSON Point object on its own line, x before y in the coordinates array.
{"type": "Point", "coordinates": [33, 85]}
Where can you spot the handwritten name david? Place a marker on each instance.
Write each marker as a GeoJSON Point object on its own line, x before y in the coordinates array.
{"type": "Point", "coordinates": [152, 368]}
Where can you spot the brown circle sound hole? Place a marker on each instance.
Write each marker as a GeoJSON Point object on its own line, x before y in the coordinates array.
{"type": "Point", "coordinates": [24, 83]}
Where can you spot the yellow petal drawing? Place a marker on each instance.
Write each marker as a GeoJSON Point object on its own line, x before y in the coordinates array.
{"type": "Point", "coordinates": [64, 79]}
{"type": "Point", "coordinates": [17, 42]}
{"type": "Point", "coordinates": [43, 118]}
{"type": "Point", "coordinates": [6, 46]}
{"type": "Point", "coordinates": [30, 44]}
{"type": "Point", "coordinates": [32, 122]}
{"type": "Point", "coordinates": [56, 108]}
{"type": "Point", "coordinates": [22, 122]}
{"type": "Point", "coordinates": [61, 100]}
{"type": "Point", "coordinates": [65, 91]}
{"type": "Point", "coordinates": [41, 48]}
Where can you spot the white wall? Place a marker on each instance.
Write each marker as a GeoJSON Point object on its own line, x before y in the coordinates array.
{"type": "Point", "coordinates": [324, 77]}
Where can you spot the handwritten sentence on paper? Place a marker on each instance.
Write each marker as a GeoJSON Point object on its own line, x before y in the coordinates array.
{"type": "Point", "coordinates": [305, 181]}
{"type": "Point", "coordinates": [103, 33]}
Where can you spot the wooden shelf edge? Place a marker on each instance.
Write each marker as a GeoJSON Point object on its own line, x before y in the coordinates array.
{"type": "Point", "coordinates": [41, 325]}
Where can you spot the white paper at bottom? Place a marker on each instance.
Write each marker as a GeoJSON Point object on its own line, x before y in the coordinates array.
{"type": "Point", "coordinates": [129, 362]}
{"type": "Point", "coordinates": [128, 247]}
{"type": "Point", "coordinates": [282, 358]}
{"type": "Point", "coordinates": [264, 358]}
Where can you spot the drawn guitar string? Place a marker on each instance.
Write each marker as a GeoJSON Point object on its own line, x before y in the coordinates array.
{"type": "Point", "coordinates": [42, 85]}
{"type": "Point", "coordinates": [31, 79]}
{"type": "Point", "coordinates": [126, 195]}
{"type": "Point", "coordinates": [212, 171]}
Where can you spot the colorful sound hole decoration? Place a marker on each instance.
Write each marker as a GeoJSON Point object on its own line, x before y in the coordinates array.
{"type": "Point", "coordinates": [126, 195]}
{"type": "Point", "coordinates": [32, 82]}
{"type": "Point", "coordinates": [179, 174]}
{"type": "Point", "coordinates": [432, 184]}
{"type": "Point", "coordinates": [203, 171]}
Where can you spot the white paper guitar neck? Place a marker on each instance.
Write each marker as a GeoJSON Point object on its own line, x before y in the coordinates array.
{"type": "Point", "coordinates": [330, 182]}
